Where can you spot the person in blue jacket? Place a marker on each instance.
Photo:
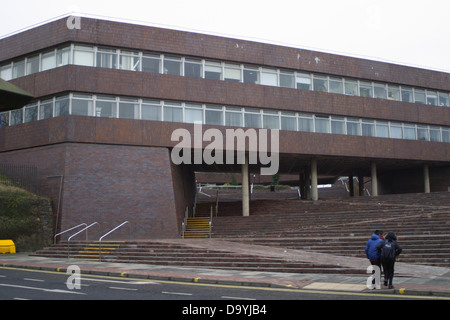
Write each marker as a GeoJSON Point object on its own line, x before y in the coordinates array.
{"type": "Point", "coordinates": [372, 253]}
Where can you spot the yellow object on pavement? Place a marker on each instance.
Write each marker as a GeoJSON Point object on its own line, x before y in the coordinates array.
{"type": "Point", "coordinates": [7, 246]}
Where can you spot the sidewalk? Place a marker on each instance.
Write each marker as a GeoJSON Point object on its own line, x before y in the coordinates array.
{"type": "Point", "coordinates": [434, 283]}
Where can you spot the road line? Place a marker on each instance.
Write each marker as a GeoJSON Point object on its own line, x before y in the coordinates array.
{"type": "Point", "coordinates": [236, 298]}
{"type": "Point", "coordinates": [36, 280]}
{"type": "Point", "coordinates": [40, 289]}
{"type": "Point", "coordinates": [177, 293]}
{"type": "Point", "coordinates": [121, 288]}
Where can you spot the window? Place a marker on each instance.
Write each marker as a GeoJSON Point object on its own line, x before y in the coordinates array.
{"type": "Point", "coordinates": [271, 120]}
{"type": "Point", "coordinates": [287, 79]}
{"type": "Point", "coordinates": [303, 81]}
{"type": "Point", "coordinates": [422, 133]}
{"type": "Point", "coordinates": [407, 94]}
{"type": "Point", "coordinates": [16, 117]}
{"type": "Point", "coordinates": [4, 119]}
{"type": "Point", "coordinates": [409, 131]}
{"type": "Point", "coordinates": [288, 121]}
{"type": "Point", "coordinates": [251, 74]}
{"type": "Point", "coordinates": [379, 91]}
{"type": "Point", "coordinates": [435, 134]}
{"type": "Point", "coordinates": [48, 60]}
{"type": "Point", "coordinates": [445, 135]}
{"type": "Point", "coordinates": [365, 89]}
{"type": "Point", "coordinates": [62, 56]}
{"type": "Point", "coordinates": [18, 69]}
{"type": "Point", "coordinates": [193, 68]}
{"type": "Point", "coordinates": [322, 124]}
{"type": "Point", "coordinates": [382, 129]}
{"type": "Point", "coordinates": [353, 127]}
{"type": "Point", "coordinates": [351, 87]}
{"type": "Point", "coordinates": [173, 112]}
{"type": "Point", "coordinates": [393, 93]}
{"type": "Point", "coordinates": [82, 105]}
{"type": "Point", "coordinates": [46, 109]}
{"type": "Point", "coordinates": [232, 72]}
{"type": "Point", "coordinates": [214, 115]}
{"type": "Point", "coordinates": [6, 72]}
{"type": "Point", "coordinates": [395, 130]}
{"type": "Point", "coordinates": [213, 70]}
{"type": "Point", "coordinates": [151, 110]}
{"type": "Point", "coordinates": [338, 125]}
{"type": "Point", "coordinates": [368, 128]}
{"type": "Point", "coordinates": [172, 65]}
{"type": "Point", "coordinates": [30, 113]}
{"type": "Point", "coordinates": [129, 60]}
{"type": "Point", "coordinates": [33, 65]}
{"type": "Point", "coordinates": [419, 96]}
{"type": "Point", "coordinates": [233, 116]}
{"type": "Point", "coordinates": [320, 83]}
{"type": "Point", "coordinates": [62, 106]}
{"type": "Point", "coordinates": [432, 98]}
{"type": "Point", "coordinates": [105, 107]}
{"type": "Point", "coordinates": [269, 77]}
{"type": "Point", "coordinates": [151, 63]}
{"type": "Point", "coordinates": [252, 118]}
{"type": "Point", "coordinates": [193, 113]}
{"type": "Point", "coordinates": [336, 85]}
{"type": "Point", "coordinates": [443, 99]}
{"type": "Point", "coordinates": [305, 123]}
{"type": "Point", "coordinates": [106, 58]}
{"type": "Point", "coordinates": [83, 56]}
{"type": "Point", "coordinates": [128, 108]}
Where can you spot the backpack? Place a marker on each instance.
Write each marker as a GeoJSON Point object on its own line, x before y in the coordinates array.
{"type": "Point", "coordinates": [388, 251]}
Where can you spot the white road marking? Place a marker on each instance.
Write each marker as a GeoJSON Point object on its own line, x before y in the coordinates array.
{"type": "Point", "coordinates": [236, 298]}
{"type": "Point", "coordinates": [41, 289]}
{"type": "Point", "coordinates": [120, 288]}
{"type": "Point", "coordinates": [177, 293]}
{"type": "Point", "coordinates": [36, 280]}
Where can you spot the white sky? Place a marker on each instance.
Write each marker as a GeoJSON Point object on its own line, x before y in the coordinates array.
{"type": "Point", "coordinates": [410, 32]}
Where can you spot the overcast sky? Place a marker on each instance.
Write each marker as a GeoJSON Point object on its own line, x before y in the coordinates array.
{"type": "Point", "coordinates": [410, 32]}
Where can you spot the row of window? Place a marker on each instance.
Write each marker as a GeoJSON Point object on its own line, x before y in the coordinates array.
{"type": "Point", "coordinates": [172, 111]}
{"type": "Point", "coordinates": [200, 68]}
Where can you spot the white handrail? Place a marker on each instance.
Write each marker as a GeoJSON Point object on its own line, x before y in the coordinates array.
{"type": "Point", "coordinates": [101, 238]}
{"type": "Point", "coordinates": [58, 234]}
{"type": "Point", "coordinates": [68, 240]}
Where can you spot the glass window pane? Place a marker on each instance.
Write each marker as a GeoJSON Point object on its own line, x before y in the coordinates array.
{"type": "Point", "coordinates": [303, 81]}
{"type": "Point", "coordinates": [251, 74]}
{"type": "Point", "coordinates": [232, 72]}
{"type": "Point", "coordinates": [214, 115]}
{"type": "Point", "coordinates": [353, 127]}
{"type": "Point", "coordinates": [395, 130]}
{"type": "Point", "coordinates": [365, 89]}
{"type": "Point", "coordinates": [18, 69]}
{"type": "Point", "coordinates": [48, 60]}
{"type": "Point", "coordinates": [106, 107]}
{"type": "Point", "coordinates": [33, 65]}
{"type": "Point", "coordinates": [419, 96]}
{"type": "Point", "coordinates": [6, 72]}
{"type": "Point", "coordinates": [172, 113]}
{"type": "Point", "coordinates": [393, 93]}
{"type": "Point", "coordinates": [382, 129]}
{"type": "Point", "coordinates": [83, 56]}
{"type": "Point", "coordinates": [271, 120]}
{"type": "Point", "coordinates": [82, 107]}
{"type": "Point", "coordinates": [128, 109]}
{"type": "Point", "coordinates": [432, 98]}
{"type": "Point", "coordinates": [379, 91]}
{"type": "Point", "coordinates": [320, 83]}
{"type": "Point", "coordinates": [351, 87]}
{"type": "Point", "coordinates": [435, 134]}
{"type": "Point", "coordinates": [233, 119]}
{"type": "Point", "coordinates": [338, 125]}
{"type": "Point", "coordinates": [151, 63]}
{"type": "Point", "coordinates": [287, 79]}
{"type": "Point", "coordinates": [193, 68]}
{"type": "Point", "coordinates": [269, 77]}
{"type": "Point", "coordinates": [305, 123]}
{"type": "Point", "coordinates": [62, 106]}
{"type": "Point", "coordinates": [151, 110]}
{"type": "Point", "coordinates": [336, 85]}
{"type": "Point", "coordinates": [443, 99]}
{"type": "Point", "coordinates": [46, 109]}
{"type": "Point", "coordinates": [288, 122]}
{"type": "Point", "coordinates": [322, 124]}
{"type": "Point", "coordinates": [252, 120]}
{"type": "Point", "coordinates": [62, 56]}
{"type": "Point", "coordinates": [193, 113]}
{"type": "Point", "coordinates": [445, 135]}
{"type": "Point", "coordinates": [4, 119]}
{"type": "Point", "coordinates": [422, 133]}
{"type": "Point", "coordinates": [129, 61]}
{"type": "Point", "coordinates": [213, 70]}
{"type": "Point", "coordinates": [368, 128]}
{"type": "Point", "coordinates": [31, 113]}
{"type": "Point", "coordinates": [106, 58]}
{"type": "Point", "coordinates": [409, 132]}
{"type": "Point", "coordinates": [172, 65]}
{"type": "Point", "coordinates": [407, 94]}
{"type": "Point", "coordinates": [16, 117]}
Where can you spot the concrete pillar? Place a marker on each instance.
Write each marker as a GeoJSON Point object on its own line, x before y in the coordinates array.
{"type": "Point", "coordinates": [351, 187]}
{"type": "Point", "coordinates": [373, 170]}
{"type": "Point", "coordinates": [245, 188]}
{"type": "Point", "coordinates": [426, 178]}
{"type": "Point", "coordinates": [361, 185]}
{"type": "Point", "coordinates": [314, 190]}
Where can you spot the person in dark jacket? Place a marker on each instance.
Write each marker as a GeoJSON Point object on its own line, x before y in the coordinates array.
{"type": "Point", "coordinates": [371, 249]}
{"type": "Point", "coordinates": [389, 250]}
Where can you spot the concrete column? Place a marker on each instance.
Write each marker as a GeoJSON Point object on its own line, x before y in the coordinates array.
{"type": "Point", "coordinates": [245, 188]}
{"type": "Point", "coordinates": [361, 185]}
{"type": "Point", "coordinates": [373, 170]}
{"type": "Point", "coordinates": [351, 187]}
{"type": "Point", "coordinates": [426, 178]}
{"type": "Point", "coordinates": [314, 190]}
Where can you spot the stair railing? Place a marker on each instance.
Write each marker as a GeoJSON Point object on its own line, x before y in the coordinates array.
{"type": "Point", "coordinates": [210, 220]}
{"type": "Point", "coordinates": [217, 202]}
{"type": "Point", "coordinates": [183, 223]}
{"type": "Point", "coordinates": [84, 229]}
{"type": "Point", "coordinates": [65, 231]}
{"type": "Point", "coordinates": [101, 238]}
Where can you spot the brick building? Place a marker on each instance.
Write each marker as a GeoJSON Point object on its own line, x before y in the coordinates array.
{"type": "Point", "coordinates": [109, 95]}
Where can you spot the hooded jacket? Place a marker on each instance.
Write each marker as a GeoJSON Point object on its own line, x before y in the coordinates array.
{"type": "Point", "coordinates": [391, 237]}
{"type": "Point", "coordinates": [372, 252]}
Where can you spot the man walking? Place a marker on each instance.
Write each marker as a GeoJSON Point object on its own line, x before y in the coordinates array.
{"type": "Point", "coordinates": [389, 250]}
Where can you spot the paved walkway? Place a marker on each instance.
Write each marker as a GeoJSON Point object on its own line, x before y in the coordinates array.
{"type": "Point", "coordinates": [409, 279]}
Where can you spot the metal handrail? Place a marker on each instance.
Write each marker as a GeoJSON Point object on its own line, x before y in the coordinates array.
{"type": "Point", "coordinates": [183, 223]}
{"type": "Point", "coordinates": [101, 238]}
{"type": "Point", "coordinates": [210, 220]}
{"type": "Point", "coordinates": [68, 240]}
{"type": "Point", "coordinates": [217, 202]}
{"type": "Point", "coordinates": [58, 234]}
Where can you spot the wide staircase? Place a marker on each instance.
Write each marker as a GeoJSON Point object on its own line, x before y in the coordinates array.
{"type": "Point", "coordinates": [199, 225]}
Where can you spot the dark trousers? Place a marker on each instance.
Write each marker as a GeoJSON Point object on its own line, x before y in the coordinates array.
{"type": "Point", "coordinates": [388, 269]}
{"type": "Point", "coordinates": [376, 263]}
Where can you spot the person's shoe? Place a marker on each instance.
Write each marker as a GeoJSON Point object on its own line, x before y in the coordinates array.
{"type": "Point", "coordinates": [385, 283]}
{"type": "Point", "coordinates": [391, 286]}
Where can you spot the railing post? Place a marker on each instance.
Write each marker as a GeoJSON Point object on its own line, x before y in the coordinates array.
{"type": "Point", "coordinates": [210, 221]}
